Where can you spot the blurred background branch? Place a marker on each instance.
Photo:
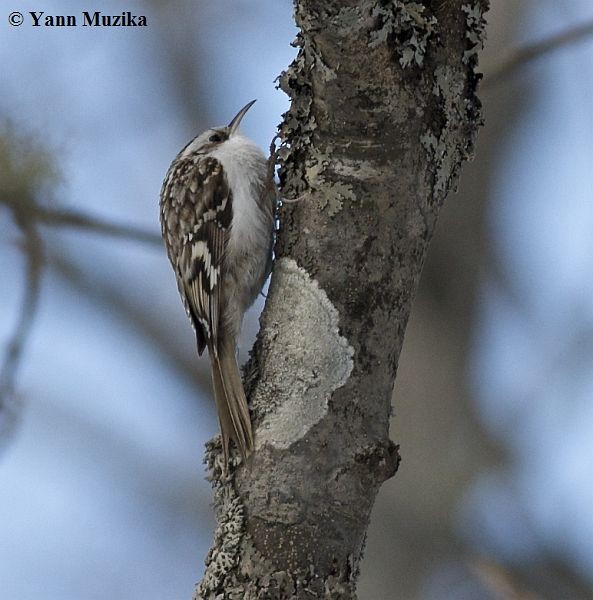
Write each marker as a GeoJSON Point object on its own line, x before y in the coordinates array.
{"type": "Point", "coordinates": [155, 331]}
{"type": "Point", "coordinates": [54, 217]}
{"type": "Point", "coordinates": [521, 57]}
{"type": "Point", "coordinates": [27, 174]}
{"type": "Point", "coordinates": [22, 172]}
{"type": "Point", "coordinates": [16, 345]}
{"type": "Point", "coordinates": [31, 211]}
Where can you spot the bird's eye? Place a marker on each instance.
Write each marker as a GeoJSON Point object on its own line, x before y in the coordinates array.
{"type": "Point", "coordinates": [215, 137]}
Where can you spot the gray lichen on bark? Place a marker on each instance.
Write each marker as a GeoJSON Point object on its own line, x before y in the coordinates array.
{"type": "Point", "coordinates": [289, 397]}
{"type": "Point", "coordinates": [383, 112]}
{"type": "Point", "coordinates": [411, 23]}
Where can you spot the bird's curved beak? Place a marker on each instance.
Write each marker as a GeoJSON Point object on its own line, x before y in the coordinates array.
{"type": "Point", "coordinates": [234, 124]}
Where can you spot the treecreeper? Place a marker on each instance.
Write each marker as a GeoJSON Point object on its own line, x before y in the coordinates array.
{"type": "Point", "coordinates": [217, 221]}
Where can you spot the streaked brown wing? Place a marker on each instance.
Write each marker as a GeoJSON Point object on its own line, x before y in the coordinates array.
{"type": "Point", "coordinates": [206, 218]}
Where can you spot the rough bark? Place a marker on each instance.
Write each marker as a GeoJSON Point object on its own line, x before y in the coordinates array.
{"type": "Point", "coordinates": [383, 113]}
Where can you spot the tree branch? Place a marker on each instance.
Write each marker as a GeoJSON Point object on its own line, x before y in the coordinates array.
{"type": "Point", "coordinates": [383, 113]}
{"type": "Point", "coordinates": [52, 217]}
{"type": "Point", "coordinates": [156, 331]}
{"type": "Point", "coordinates": [26, 170]}
{"type": "Point", "coordinates": [529, 53]}
{"type": "Point", "coordinates": [33, 251]}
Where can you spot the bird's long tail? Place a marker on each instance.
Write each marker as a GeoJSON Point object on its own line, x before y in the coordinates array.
{"type": "Point", "coordinates": [231, 403]}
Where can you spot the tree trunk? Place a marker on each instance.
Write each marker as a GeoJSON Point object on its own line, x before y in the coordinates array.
{"type": "Point", "coordinates": [383, 113]}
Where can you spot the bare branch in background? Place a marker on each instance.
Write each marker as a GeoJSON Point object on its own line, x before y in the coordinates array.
{"type": "Point", "coordinates": [33, 251]}
{"type": "Point", "coordinates": [156, 331]}
{"type": "Point", "coordinates": [525, 55]}
{"type": "Point", "coordinates": [68, 218]}
{"type": "Point", "coordinates": [499, 582]}
{"type": "Point", "coordinates": [27, 173]}
{"type": "Point", "coordinates": [79, 220]}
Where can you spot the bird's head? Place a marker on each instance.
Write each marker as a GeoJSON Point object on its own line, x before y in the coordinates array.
{"type": "Point", "coordinates": [213, 138]}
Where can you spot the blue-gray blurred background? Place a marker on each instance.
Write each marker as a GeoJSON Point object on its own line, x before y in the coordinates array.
{"type": "Point", "coordinates": [102, 491]}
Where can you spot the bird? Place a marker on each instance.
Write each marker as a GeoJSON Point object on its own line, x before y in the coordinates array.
{"type": "Point", "coordinates": [217, 207]}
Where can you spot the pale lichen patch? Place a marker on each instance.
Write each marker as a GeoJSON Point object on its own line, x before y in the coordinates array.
{"type": "Point", "coordinates": [449, 86]}
{"type": "Point", "coordinates": [335, 195]}
{"type": "Point", "coordinates": [325, 71]}
{"type": "Point", "coordinates": [298, 126]}
{"type": "Point", "coordinates": [330, 193]}
{"type": "Point", "coordinates": [223, 558]}
{"type": "Point", "coordinates": [316, 359]}
{"type": "Point", "coordinates": [407, 22]}
{"type": "Point", "coordinates": [475, 32]}
{"type": "Point", "coordinates": [350, 19]}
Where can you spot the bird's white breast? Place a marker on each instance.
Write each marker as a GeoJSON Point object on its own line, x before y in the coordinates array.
{"type": "Point", "coordinates": [245, 167]}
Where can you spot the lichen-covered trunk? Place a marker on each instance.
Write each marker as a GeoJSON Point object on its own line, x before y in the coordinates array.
{"type": "Point", "coordinates": [383, 113]}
